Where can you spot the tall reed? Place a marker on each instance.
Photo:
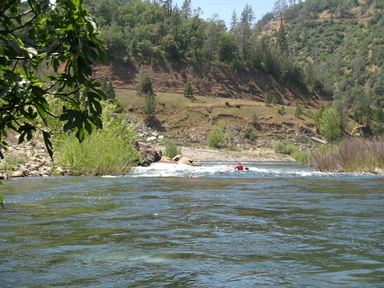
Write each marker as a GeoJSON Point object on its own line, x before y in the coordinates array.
{"type": "Point", "coordinates": [351, 155]}
{"type": "Point", "coordinates": [109, 151]}
{"type": "Point", "coordinates": [105, 152]}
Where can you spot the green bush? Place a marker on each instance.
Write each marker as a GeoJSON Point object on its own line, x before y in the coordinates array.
{"type": "Point", "coordinates": [9, 163]}
{"type": "Point", "coordinates": [217, 137]}
{"type": "Point", "coordinates": [330, 124]}
{"type": "Point", "coordinates": [108, 151]}
{"type": "Point", "coordinates": [249, 133]}
{"type": "Point", "coordinates": [293, 151]}
{"type": "Point", "coordinates": [279, 147]}
{"type": "Point", "coordinates": [171, 149]}
{"type": "Point", "coordinates": [298, 111]}
{"type": "Point", "coordinates": [281, 110]}
{"type": "Point", "coordinates": [104, 152]}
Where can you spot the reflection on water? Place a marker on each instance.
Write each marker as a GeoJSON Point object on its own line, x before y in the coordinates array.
{"type": "Point", "coordinates": [278, 225]}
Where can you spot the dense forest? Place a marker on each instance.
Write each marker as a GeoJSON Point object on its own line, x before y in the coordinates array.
{"type": "Point", "coordinates": [333, 48]}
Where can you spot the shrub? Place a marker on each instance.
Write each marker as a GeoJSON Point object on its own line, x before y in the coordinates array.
{"type": "Point", "coordinates": [351, 155]}
{"type": "Point", "coordinates": [268, 99]}
{"type": "Point", "coordinates": [301, 156]}
{"type": "Point", "coordinates": [255, 119]}
{"type": "Point", "coordinates": [109, 151]}
{"type": "Point", "coordinates": [293, 151]}
{"type": "Point", "coordinates": [298, 111]}
{"type": "Point", "coordinates": [171, 149]}
{"type": "Point", "coordinates": [9, 163]}
{"type": "Point", "coordinates": [217, 137]}
{"type": "Point", "coordinates": [249, 133]}
{"type": "Point", "coordinates": [279, 147]}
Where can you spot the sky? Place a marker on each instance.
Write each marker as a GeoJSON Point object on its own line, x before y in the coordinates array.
{"type": "Point", "coordinates": [224, 8]}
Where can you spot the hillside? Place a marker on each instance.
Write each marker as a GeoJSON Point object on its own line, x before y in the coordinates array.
{"type": "Point", "coordinates": [338, 44]}
{"type": "Point", "coordinates": [311, 54]}
{"type": "Point", "coordinates": [212, 80]}
{"type": "Point", "coordinates": [220, 96]}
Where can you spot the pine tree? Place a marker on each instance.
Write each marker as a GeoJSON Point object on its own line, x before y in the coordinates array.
{"type": "Point", "coordinates": [145, 84]}
{"type": "Point", "coordinates": [188, 91]}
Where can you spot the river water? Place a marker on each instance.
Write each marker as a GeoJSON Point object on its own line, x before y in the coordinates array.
{"type": "Point", "coordinates": [277, 225]}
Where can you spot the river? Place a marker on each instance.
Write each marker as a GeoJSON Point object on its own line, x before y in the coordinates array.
{"type": "Point", "coordinates": [277, 225]}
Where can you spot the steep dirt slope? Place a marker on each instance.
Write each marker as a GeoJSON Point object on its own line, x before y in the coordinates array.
{"type": "Point", "coordinates": [207, 80]}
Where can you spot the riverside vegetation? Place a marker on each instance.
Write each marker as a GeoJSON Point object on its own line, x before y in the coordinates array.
{"type": "Point", "coordinates": [277, 89]}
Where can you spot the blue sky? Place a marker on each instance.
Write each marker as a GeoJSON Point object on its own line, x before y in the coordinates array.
{"type": "Point", "coordinates": [224, 8]}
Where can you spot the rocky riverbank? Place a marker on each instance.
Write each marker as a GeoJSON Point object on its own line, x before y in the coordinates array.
{"type": "Point", "coordinates": [28, 159]}
{"type": "Point", "coordinates": [31, 159]}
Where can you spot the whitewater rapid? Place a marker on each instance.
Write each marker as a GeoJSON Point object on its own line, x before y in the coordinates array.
{"type": "Point", "coordinates": [225, 169]}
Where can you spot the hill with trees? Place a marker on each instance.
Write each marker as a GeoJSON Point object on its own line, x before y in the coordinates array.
{"type": "Point", "coordinates": [300, 53]}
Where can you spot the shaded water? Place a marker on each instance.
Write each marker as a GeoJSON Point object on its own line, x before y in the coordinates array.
{"type": "Point", "coordinates": [278, 225]}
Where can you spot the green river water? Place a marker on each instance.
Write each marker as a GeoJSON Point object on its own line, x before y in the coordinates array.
{"type": "Point", "coordinates": [278, 225]}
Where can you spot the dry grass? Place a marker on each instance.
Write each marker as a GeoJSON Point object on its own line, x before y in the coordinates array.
{"type": "Point", "coordinates": [176, 112]}
{"type": "Point", "coordinates": [351, 155]}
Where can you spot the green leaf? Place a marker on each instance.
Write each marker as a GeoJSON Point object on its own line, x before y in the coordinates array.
{"type": "Point", "coordinates": [88, 127]}
{"type": "Point", "coordinates": [80, 135]}
{"type": "Point", "coordinates": [48, 143]}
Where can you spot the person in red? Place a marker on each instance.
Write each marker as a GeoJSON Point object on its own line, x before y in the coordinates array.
{"type": "Point", "coordinates": [239, 167]}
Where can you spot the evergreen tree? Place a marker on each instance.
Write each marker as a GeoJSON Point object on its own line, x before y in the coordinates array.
{"type": "Point", "coordinates": [282, 39]}
{"type": "Point", "coordinates": [186, 9]}
{"type": "Point", "coordinates": [145, 84]}
{"type": "Point", "coordinates": [188, 91]}
{"type": "Point", "coordinates": [149, 105]}
{"type": "Point", "coordinates": [234, 20]}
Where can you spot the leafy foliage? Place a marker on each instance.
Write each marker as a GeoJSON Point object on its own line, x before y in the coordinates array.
{"type": "Point", "coordinates": [293, 151]}
{"type": "Point", "coordinates": [59, 41]}
{"type": "Point", "coordinates": [217, 137]}
{"type": "Point", "coordinates": [171, 149]}
{"type": "Point", "coordinates": [331, 125]}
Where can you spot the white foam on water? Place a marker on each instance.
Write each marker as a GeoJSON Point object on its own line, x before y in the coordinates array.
{"type": "Point", "coordinates": [225, 170]}
{"type": "Point", "coordinates": [222, 169]}
{"type": "Point", "coordinates": [177, 170]}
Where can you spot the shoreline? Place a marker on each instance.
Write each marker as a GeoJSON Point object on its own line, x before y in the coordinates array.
{"type": "Point", "coordinates": [37, 163]}
{"type": "Point", "coordinates": [224, 155]}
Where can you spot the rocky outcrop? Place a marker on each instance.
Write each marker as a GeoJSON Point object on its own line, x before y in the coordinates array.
{"type": "Point", "coordinates": [179, 160]}
{"type": "Point", "coordinates": [148, 154]}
